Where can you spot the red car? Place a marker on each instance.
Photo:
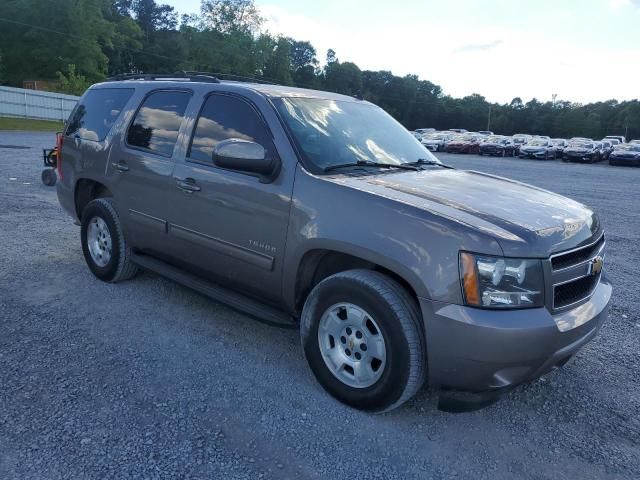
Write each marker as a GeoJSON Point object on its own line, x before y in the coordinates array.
{"type": "Point", "coordinates": [467, 143]}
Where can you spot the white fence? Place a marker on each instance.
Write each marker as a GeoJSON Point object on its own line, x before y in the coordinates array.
{"type": "Point", "coordinates": [18, 102]}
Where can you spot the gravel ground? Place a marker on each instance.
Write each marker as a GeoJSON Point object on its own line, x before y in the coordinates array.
{"type": "Point", "coordinates": [148, 379]}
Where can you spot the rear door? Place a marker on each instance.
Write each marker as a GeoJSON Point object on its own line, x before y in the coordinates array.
{"type": "Point", "coordinates": [141, 169]}
{"type": "Point", "coordinates": [89, 137]}
{"type": "Point", "coordinates": [230, 227]}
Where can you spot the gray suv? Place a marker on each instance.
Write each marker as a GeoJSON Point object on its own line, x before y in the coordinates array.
{"type": "Point", "coordinates": [319, 211]}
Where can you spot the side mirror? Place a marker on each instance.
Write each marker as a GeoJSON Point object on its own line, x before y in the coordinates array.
{"type": "Point", "coordinates": [245, 156]}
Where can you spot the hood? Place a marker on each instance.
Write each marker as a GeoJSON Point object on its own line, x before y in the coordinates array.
{"type": "Point", "coordinates": [625, 154]}
{"type": "Point", "coordinates": [525, 220]}
{"type": "Point", "coordinates": [491, 144]}
{"type": "Point", "coordinates": [533, 148]}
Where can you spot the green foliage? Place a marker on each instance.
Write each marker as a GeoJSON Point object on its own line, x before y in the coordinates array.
{"type": "Point", "coordinates": [43, 39]}
{"type": "Point", "coordinates": [231, 15]}
{"type": "Point", "coordinates": [343, 77]}
{"type": "Point", "coordinates": [72, 83]}
{"type": "Point", "coordinates": [278, 67]}
{"type": "Point", "coordinates": [30, 125]}
{"type": "Point", "coordinates": [1, 69]}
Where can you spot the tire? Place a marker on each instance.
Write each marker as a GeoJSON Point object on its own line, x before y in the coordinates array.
{"type": "Point", "coordinates": [396, 319]}
{"type": "Point", "coordinates": [49, 177]}
{"type": "Point", "coordinates": [113, 249]}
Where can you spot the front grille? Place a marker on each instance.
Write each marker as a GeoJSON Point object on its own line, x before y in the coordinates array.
{"type": "Point", "coordinates": [572, 292]}
{"type": "Point", "coordinates": [577, 256]}
{"type": "Point", "coordinates": [574, 276]}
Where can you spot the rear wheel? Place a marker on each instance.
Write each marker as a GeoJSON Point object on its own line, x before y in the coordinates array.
{"type": "Point", "coordinates": [103, 244]}
{"type": "Point", "coordinates": [361, 335]}
{"type": "Point", "coordinates": [49, 177]}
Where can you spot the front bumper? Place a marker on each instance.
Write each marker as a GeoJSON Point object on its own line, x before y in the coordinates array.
{"type": "Point", "coordinates": [455, 149]}
{"type": "Point", "coordinates": [476, 350]}
{"type": "Point", "coordinates": [622, 161]}
{"type": "Point", "coordinates": [493, 151]}
{"type": "Point", "coordinates": [533, 155]}
{"type": "Point", "coordinates": [573, 157]}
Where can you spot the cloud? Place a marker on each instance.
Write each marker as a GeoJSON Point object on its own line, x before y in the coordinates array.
{"type": "Point", "coordinates": [618, 4]}
{"type": "Point", "coordinates": [456, 56]}
{"type": "Point", "coordinates": [474, 47]}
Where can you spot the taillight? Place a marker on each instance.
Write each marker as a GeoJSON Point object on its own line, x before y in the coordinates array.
{"type": "Point", "coordinates": [59, 141]}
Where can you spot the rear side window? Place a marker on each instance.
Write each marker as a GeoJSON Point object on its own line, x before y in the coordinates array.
{"type": "Point", "coordinates": [156, 125]}
{"type": "Point", "coordinates": [224, 117]}
{"type": "Point", "coordinates": [96, 113]}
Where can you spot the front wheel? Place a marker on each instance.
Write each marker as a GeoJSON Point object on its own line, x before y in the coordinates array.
{"type": "Point", "coordinates": [361, 335]}
{"type": "Point", "coordinates": [103, 244]}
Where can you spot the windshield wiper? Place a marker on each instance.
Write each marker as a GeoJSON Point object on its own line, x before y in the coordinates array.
{"type": "Point", "coordinates": [369, 163]}
{"type": "Point", "coordinates": [424, 162]}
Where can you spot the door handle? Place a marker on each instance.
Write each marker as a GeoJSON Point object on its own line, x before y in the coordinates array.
{"type": "Point", "coordinates": [120, 166]}
{"type": "Point", "coordinates": [188, 185]}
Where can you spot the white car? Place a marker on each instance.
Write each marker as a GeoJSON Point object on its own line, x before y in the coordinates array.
{"type": "Point", "coordinates": [435, 142]}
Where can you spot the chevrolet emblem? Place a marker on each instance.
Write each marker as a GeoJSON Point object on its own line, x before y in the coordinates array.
{"type": "Point", "coordinates": [596, 266]}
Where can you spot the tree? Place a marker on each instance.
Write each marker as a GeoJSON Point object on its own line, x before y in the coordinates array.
{"type": "Point", "coordinates": [231, 15]}
{"type": "Point", "coordinates": [516, 103]}
{"type": "Point", "coordinates": [277, 68]}
{"type": "Point", "coordinates": [303, 63]}
{"type": "Point", "coordinates": [1, 69]}
{"type": "Point", "coordinates": [303, 54]}
{"type": "Point", "coordinates": [76, 33]}
{"type": "Point", "coordinates": [331, 56]}
{"type": "Point", "coordinates": [343, 78]}
{"type": "Point", "coordinates": [72, 83]}
{"type": "Point", "coordinates": [152, 17]}
{"type": "Point", "coordinates": [81, 41]}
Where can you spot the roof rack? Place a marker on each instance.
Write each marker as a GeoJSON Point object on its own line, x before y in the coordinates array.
{"type": "Point", "coordinates": [188, 76]}
{"type": "Point", "coordinates": [232, 77]}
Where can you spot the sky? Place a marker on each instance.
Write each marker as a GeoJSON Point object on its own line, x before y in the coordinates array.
{"type": "Point", "coordinates": [579, 50]}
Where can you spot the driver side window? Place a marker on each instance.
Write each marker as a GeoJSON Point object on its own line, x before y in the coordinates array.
{"type": "Point", "coordinates": [225, 117]}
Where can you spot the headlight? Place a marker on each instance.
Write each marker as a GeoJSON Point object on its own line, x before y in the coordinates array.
{"type": "Point", "coordinates": [496, 282]}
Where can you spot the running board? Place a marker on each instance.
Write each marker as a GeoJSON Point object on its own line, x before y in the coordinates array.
{"type": "Point", "coordinates": [237, 301]}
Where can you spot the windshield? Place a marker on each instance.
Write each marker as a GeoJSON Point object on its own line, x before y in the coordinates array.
{"type": "Point", "coordinates": [629, 147]}
{"type": "Point", "coordinates": [582, 145]}
{"type": "Point", "coordinates": [468, 138]}
{"type": "Point", "coordinates": [436, 136]}
{"type": "Point", "coordinates": [539, 143]}
{"type": "Point", "coordinates": [496, 140]}
{"type": "Point", "coordinates": [334, 132]}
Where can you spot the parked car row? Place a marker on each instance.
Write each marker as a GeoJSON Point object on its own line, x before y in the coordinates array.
{"type": "Point", "coordinates": [540, 147]}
